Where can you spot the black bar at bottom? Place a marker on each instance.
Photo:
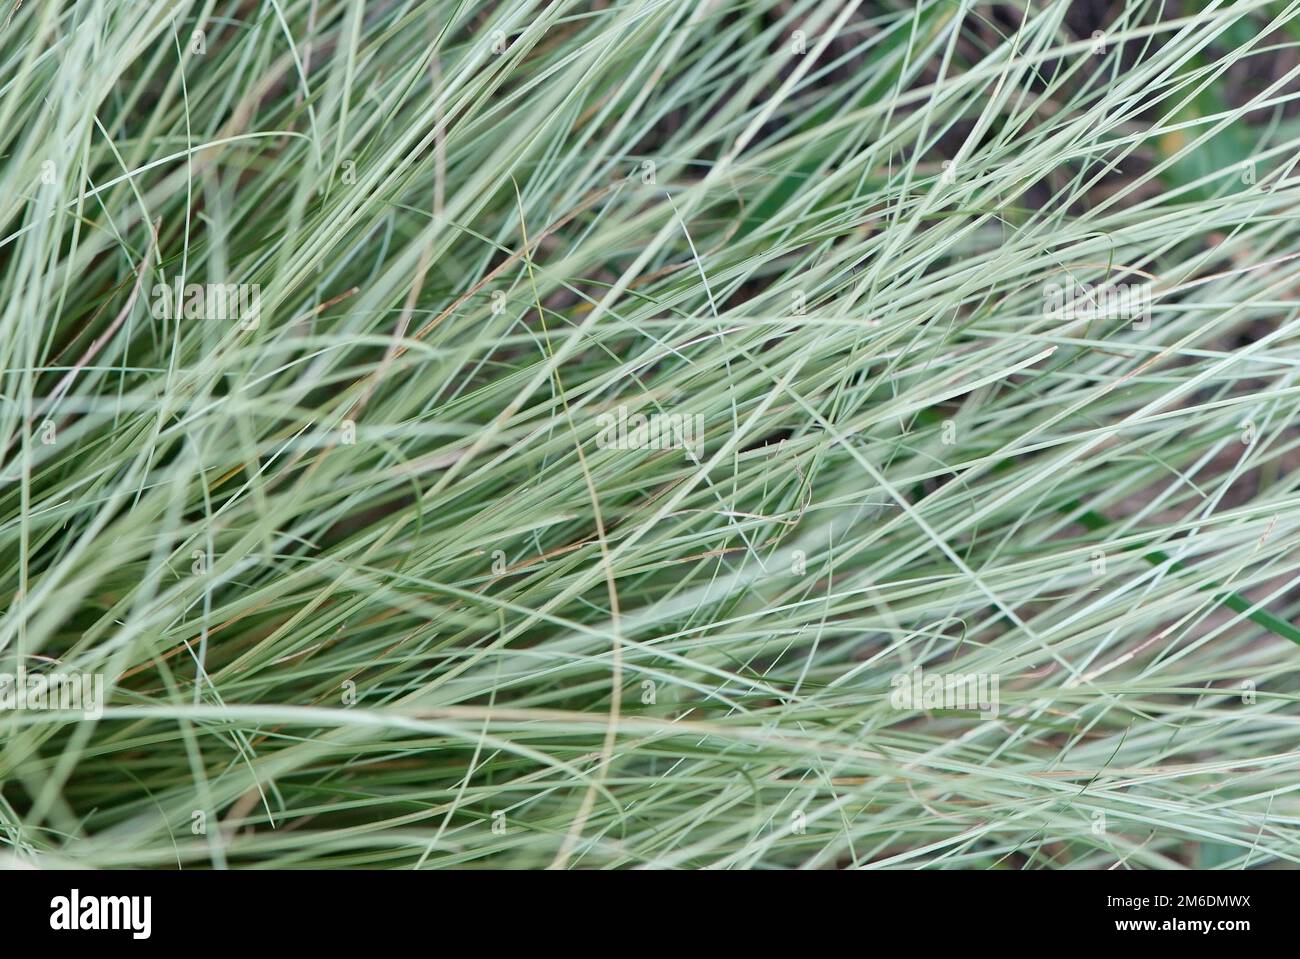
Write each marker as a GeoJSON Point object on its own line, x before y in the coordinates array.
{"type": "Point", "coordinates": [335, 908]}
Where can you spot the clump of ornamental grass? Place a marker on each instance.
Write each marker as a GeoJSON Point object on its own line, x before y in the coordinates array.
{"type": "Point", "coordinates": [652, 434]}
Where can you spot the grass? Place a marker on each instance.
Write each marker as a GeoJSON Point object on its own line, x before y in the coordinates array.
{"type": "Point", "coordinates": [366, 585]}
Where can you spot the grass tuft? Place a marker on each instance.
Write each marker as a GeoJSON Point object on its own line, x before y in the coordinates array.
{"type": "Point", "coordinates": [567, 435]}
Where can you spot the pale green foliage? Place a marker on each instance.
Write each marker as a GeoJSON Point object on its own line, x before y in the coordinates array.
{"type": "Point", "coordinates": [475, 229]}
